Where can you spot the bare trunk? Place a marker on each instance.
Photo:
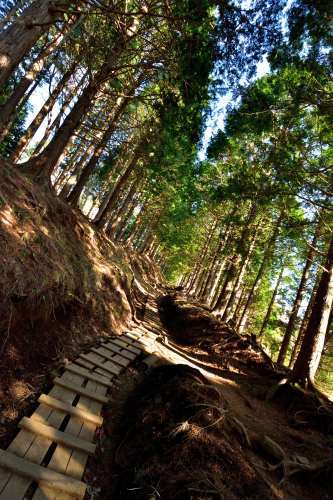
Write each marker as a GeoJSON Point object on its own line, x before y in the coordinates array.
{"type": "Point", "coordinates": [298, 300]}
{"type": "Point", "coordinates": [272, 301]}
{"type": "Point", "coordinates": [42, 166]}
{"type": "Point", "coordinates": [235, 294]}
{"type": "Point", "coordinates": [17, 40]}
{"type": "Point", "coordinates": [104, 214]}
{"type": "Point", "coordinates": [39, 118]}
{"type": "Point", "coordinates": [308, 359]}
{"type": "Point", "coordinates": [264, 262]}
{"type": "Point", "coordinates": [9, 110]}
{"type": "Point", "coordinates": [91, 165]}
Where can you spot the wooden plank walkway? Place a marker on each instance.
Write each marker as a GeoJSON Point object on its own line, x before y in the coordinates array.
{"type": "Point", "coordinates": [47, 458]}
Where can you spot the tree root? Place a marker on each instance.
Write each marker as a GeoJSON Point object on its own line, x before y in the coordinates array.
{"type": "Point", "coordinates": [294, 464]}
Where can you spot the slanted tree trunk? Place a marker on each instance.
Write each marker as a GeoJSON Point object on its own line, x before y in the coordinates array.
{"type": "Point", "coordinates": [298, 300]}
{"type": "Point", "coordinates": [91, 165]}
{"type": "Point", "coordinates": [201, 256]}
{"type": "Point", "coordinates": [308, 359]}
{"type": "Point", "coordinates": [17, 40]}
{"type": "Point", "coordinates": [9, 110]}
{"type": "Point", "coordinates": [235, 294]}
{"type": "Point", "coordinates": [42, 166]}
{"type": "Point", "coordinates": [105, 212]}
{"type": "Point", "coordinates": [266, 257]}
{"type": "Point", "coordinates": [272, 301]}
{"type": "Point", "coordinates": [39, 118]}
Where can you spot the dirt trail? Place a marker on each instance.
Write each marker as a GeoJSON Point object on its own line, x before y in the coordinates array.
{"type": "Point", "coordinates": [199, 427]}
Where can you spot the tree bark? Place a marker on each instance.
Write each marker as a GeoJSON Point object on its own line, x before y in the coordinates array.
{"type": "Point", "coordinates": [39, 118]}
{"type": "Point", "coordinates": [235, 294]}
{"type": "Point", "coordinates": [91, 165]}
{"type": "Point", "coordinates": [17, 40]}
{"type": "Point", "coordinates": [266, 257]}
{"type": "Point", "coordinates": [9, 110]}
{"type": "Point", "coordinates": [272, 301]}
{"type": "Point", "coordinates": [42, 166]}
{"type": "Point", "coordinates": [308, 359]}
{"type": "Point", "coordinates": [298, 300]}
{"type": "Point", "coordinates": [104, 214]}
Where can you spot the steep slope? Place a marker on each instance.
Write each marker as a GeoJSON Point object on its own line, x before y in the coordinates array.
{"type": "Point", "coordinates": [62, 283]}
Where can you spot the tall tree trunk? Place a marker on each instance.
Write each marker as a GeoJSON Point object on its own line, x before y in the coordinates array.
{"type": "Point", "coordinates": [39, 118]}
{"type": "Point", "coordinates": [104, 214]}
{"type": "Point", "coordinates": [125, 212]}
{"type": "Point", "coordinates": [9, 110]}
{"type": "Point", "coordinates": [42, 166]}
{"type": "Point", "coordinates": [264, 262]}
{"type": "Point", "coordinates": [91, 165]}
{"type": "Point", "coordinates": [308, 359]}
{"type": "Point", "coordinates": [201, 256]}
{"type": "Point", "coordinates": [272, 301]}
{"type": "Point", "coordinates": [298, 299]}
{"type": "Point", "coordinates": [235, 294]}
{"type": "Point", "coordinates": [17, 40]}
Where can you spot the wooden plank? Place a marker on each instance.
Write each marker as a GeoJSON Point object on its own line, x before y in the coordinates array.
{"type": "Point", "coordinates": [80, 390]}
{"type": "Point", "coordinates": [97, 361]}
{"type": "Point", "coordinates": [120, 350]}
{"type": "Point", "coordinates": [71, 410]}
{"type": "Point", "coordinates": [125, 345]}
{"type": "Point", "coordinates": [87, 432]}
{"type": "Point", "coordinates": [62, 455]}
{"type": "Point", "coordinates": [115, 358]}
{"type": "Point", "coordinates": [56, 436]}
{"type": "Point", "coordinates": [83, 363]}
{"type": "Point", "coordinates": [43, 476]}
{"type": "Point", "coordinates": [86, 374]}
{"type": "Point", "coordinates": [33, 448]}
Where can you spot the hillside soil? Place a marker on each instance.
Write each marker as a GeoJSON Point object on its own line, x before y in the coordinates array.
{"type": "Point", "coordinates": [63, 284]}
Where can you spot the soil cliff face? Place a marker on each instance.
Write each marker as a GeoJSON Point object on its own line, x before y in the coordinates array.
{"type": "Point", "coordinates": [62, 283]}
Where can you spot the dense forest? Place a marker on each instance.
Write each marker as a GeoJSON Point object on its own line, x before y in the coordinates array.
{"type": "Point", "coordinates": [110, 107]}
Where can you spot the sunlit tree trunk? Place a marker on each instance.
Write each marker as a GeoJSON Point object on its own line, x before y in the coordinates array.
{"type": "Point", "coordinates": [9, 110]}
{"type": "Point", "coordinates": [42, 166]}
{"type": "Point", "coordinates": [272, 301]}
{"type": "Point", "coordinates": [17, 40]}
{"type": "Point", "coordinates": [235, 294]}
{"type": "Point", "coordinates": [308, 358]}
{"type": "Point", "coordinates": [39, 118]}
{"type": "Point", "coordinates": [298, 300]}
{"type": "Point", "coordinates": [266, 257]}
{"type": "Point", "coordinates": [105, 212]}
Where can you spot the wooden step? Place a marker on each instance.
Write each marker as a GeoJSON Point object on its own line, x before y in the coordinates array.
{"type": "Point", "coordinates": [119, 350]}
{"type": "Point", "coordinates": [86, 416]}
{"type": "Point", "coordinates": [43, 476]}
{"type": "Point", "coordinates": [60, 437]}
{"type": "Point", "coordinates": [119, 361]}
{"type": "Point", "coordinates": [127, 346]}
{"type": "Point", "coordinates": [108, 368]}
{"type": "Point", "coordinates": [86, 374]}
{"type": "Point", "coordinates": [80, 390]}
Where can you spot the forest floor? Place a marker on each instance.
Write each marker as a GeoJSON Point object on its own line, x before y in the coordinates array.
{"type": "Point", "coordinates": [203, 428]}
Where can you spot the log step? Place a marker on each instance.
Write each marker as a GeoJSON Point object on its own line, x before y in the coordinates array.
{"type": "Point", "coordinates": [45, 477]}
{"type": "Point", "coordinates": [59, 437]}
{"type": "Point", "coordinates": [86, 416]}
